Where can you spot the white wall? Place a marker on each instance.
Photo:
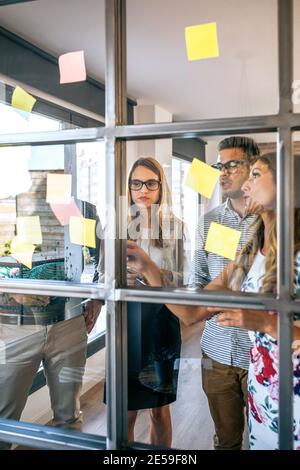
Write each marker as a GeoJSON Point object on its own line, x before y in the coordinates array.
{"type": "Point", "coordinates": [211, 156]}
{"type": "Point", "coordinates": [161, 149]}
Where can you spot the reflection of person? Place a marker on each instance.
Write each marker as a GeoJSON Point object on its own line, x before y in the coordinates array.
{"type": "Point", "coordinates": [92, 309]}
{"type": "Point", "coordinates": [153, 331]}
{"type": "Point", "coordinates": [51, 330]}
{"type": "Point", "coordinates": [59, 345]}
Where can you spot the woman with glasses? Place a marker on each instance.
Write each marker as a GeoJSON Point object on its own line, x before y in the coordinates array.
{"type": "Point", "coordinates": [155, 245]}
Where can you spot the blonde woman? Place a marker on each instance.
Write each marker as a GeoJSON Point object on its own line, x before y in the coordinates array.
{"type": "Point", "coordinates": [255, 270]}
{"type": "Point", "coordinates": [155, 245]}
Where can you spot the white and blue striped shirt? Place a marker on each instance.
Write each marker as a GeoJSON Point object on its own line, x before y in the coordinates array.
{"type": "Point", "coordinates": [228, 345]}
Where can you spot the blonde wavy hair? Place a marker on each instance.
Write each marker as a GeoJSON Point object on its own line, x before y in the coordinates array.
{"type": "Point", "coordinates": [164, 201]}
{"type": "Point", "coordinates": [245, 259]}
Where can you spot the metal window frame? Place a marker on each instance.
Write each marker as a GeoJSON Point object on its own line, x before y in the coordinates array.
{"type": "Point", "coordinates": [115, 133]}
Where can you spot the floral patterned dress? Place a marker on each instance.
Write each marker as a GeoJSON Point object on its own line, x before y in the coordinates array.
{"type": "Point", "coordinates": [263, 378]}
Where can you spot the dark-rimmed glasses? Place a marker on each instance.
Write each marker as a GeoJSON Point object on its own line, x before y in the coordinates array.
{"type": "Point", "coordinates": [231, 167]}
{"type": "Point", "coordinates": [151, 185]}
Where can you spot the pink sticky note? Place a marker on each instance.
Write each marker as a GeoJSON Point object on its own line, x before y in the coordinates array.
{"type": "Point", "coordinates": [63, 212]}
{"type": "Point", "coordinates": [72, 67]}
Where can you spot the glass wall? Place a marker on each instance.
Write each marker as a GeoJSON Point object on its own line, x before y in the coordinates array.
{"type": "Point", "coordinates": [168, 344]}
{"type": "Point", "coordinates": [198, 209]}
{"type": "Point", "coordinates": [37, 66]}
{"type": "Point", "coordinates": [221, 78]}
{"type": "Point", "coordinates": [52, 219]}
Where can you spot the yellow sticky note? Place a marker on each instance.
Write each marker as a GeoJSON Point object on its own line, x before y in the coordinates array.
{"type": "Point", "coordinates": [59, 188]}
{"type": "Point", "coordinates": [22, 100]}
{"type": "Point", "coordinates": [222, 240]}
{"type": "Point", "coordinates": [22, 252]}
{"type": "Point", "coordinates": [202, 41]}
{"type": "Point", "coordinates": [202, 178]}
{"type": "Point", "coordinates": [82, 231]}
{"type": "Point", "coordinates": [29, 230]}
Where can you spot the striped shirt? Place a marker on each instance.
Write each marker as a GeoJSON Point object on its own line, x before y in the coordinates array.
{"type": "Point", "coordinates": [228, 345]}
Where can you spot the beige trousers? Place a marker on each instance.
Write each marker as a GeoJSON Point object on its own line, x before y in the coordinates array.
{"type": "Point", "coordinates": [61, 348]}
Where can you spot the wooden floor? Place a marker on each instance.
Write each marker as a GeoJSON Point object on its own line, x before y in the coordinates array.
{"type": "Point", "coordinates": [192, 424]}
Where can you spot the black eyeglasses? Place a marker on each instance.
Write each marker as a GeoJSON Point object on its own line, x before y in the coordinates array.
{"type": "Point", "coordinates": [231, 167]}
{"type": "Point", "coordinates": [151, 185]}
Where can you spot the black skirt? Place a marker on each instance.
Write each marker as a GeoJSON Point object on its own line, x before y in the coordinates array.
{"type": "Point", "coordinates": [153, 341]}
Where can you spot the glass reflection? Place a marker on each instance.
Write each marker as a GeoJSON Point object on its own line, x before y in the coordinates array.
{"type": "Point", "coordinates": [229, 352]}
{"type": "Point", "coordinates": [48, 335]}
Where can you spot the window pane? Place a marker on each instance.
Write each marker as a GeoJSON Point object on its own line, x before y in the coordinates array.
{"type": "Point", "coordinates": [239, 80]}
{"type": "Point", "coordinates": [296, 156]}
{"type": "Point", "coordinates": [52, 207]}
{"type": "Point", "coordinates": [52, 211]}
{"type": "Point", "coordinates": [296, 50]}
{"type": "Point", "coordinates": [57, 349]}
{"type": "Point", "coordinates": [29, 64]}
{"type": "Point", "coordinates": [164, 352]}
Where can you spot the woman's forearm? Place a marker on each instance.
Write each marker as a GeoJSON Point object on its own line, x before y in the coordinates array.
{"type": "Point", "coordinates": [189, 314]}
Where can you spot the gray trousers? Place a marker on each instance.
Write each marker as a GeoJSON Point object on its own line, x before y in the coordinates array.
{"type": "Point", "coordinates": [61, 348]}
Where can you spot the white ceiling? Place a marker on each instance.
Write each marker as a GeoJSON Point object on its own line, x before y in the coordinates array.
{"type": "Point", "coordinates": [242, 81]}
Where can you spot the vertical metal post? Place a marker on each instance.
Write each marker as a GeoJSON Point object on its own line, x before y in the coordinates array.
{"type": "Point", "coordinates": [115, 265]}
{"type": "Point", "coordinates": [285, 223]}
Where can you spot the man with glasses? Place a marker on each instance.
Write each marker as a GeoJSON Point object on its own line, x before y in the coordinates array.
{"type": "Point", "coordinates": [225, 350]}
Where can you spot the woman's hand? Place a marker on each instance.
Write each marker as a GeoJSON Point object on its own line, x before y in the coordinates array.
{"type": "Point", "coordinates": [252, 207]}
{"type": "Point", "coordinates": [256, 320]}
{"type": "Point", "coordinates": [140, 265]}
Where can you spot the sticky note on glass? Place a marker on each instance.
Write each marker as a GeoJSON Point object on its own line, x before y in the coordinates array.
{"type": "Point", "coordinates": [22, 100]}
{"type": "Point", "coordinates": [29, 230]}
{"type": "Point", "coordinates": [72, 67]}
{"type": "Point", "coordinates": [63, 212]}
{"type": "Point", "coordinates": [59, 188]}
{"type": "Point", "coordinates": [222, 240]}
{"type": "Point", "coordinates": [201, 41]}
{"type": "Point", "coordinates": [82, 231]}
{"type": "Point", "coordinates": [202, 178]}
{"type": "Point", "coordinates": [22, 252]}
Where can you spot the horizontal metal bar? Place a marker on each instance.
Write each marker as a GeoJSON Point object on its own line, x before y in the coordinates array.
{"type": "Point", "coordinates": [193, 297]}
{"type": "Point", "coordinates": [57, 288]}
{"type": "Point", "coordinates": [46, 437]}
{"type": "Point", "coordinates": [66, 136]}
{"type": "Point", "coordinates": [207, 298]}
{"type": "Point", "coordinates": [184, 296]}
{"type": "Point", "coordinates": [202, 127]}
{"type": "Point", "coordinates": [135, 445]}
{"type": "Point", "coordinates": [205, 127]}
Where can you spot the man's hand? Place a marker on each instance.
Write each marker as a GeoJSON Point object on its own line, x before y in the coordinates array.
{"type": "Point", "coordinates": [92, 311]}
